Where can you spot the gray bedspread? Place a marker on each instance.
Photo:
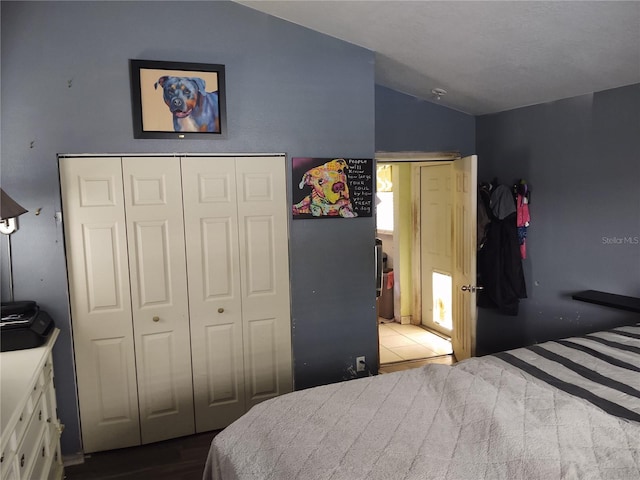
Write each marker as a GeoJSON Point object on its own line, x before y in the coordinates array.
{"type": "Point", "coordinates": [481, 419]}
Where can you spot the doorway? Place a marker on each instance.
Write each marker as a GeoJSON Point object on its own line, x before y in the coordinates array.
{"type": "Point", "coordinates": [421, 240]}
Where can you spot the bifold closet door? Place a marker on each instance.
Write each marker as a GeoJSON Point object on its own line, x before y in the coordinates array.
{"type": "Point", "coordinates": [264, 272]}
{"type": "Point", "coordinates": [179, 287]}
{"type": "Point", "coordinates": [155, 232]}
{"type": "Point", "coordinates": [238, 270]}
{"type": "Point", "coordinates": [213, 263]}
{"type": "Point", "coordinates": [96, 244]}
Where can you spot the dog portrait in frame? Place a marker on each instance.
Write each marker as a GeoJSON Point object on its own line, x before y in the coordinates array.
{"type": "Point", "coordinates": [178, 99]}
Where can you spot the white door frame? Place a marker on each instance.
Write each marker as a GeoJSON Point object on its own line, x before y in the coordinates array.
{"type": "Point", "coordinates": [417, 159]}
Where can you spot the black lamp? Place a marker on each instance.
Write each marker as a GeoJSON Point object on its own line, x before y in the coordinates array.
{"type": "Point", "coordinates": [10, 210]}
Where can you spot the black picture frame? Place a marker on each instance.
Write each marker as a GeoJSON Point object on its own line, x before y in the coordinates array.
{"type": "Point", "coordinates": [197, 92]}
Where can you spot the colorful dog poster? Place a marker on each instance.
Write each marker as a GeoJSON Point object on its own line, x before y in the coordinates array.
{"type": "Point", "coordinates": [177, 100]}
{"type": "Point", "coordinates": [332, 187]}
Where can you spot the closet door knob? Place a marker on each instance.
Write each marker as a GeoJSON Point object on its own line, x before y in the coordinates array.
{"type": "Point", "coordinates": [220, 310]}
{"type": "Point", "coordinates": [156, 319]}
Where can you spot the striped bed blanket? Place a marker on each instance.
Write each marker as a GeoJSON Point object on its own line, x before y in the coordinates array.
{"type": "Point", "coordinates": [567, 409]}
{"type": "Point", "coordinates": [602, 368]}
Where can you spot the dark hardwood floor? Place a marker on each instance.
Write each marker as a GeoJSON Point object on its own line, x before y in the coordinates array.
{"type": "Point", "coordinates": [176, 459]}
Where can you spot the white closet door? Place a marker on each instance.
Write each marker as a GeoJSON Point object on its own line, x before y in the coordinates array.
{"type": "Point", "coordinates": [264, 267]}
{"type": "Point", "coordinates": [213, 265]}
{"type": "Point", "coordinates": [153, 196]}
{"type": "Point", "coordinates": [96, 244]}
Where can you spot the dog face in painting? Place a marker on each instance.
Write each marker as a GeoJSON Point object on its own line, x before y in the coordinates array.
{"type": "Point", "coordinates": [193, 109]}
{"type": "Point", "coordinates": [329, 191]}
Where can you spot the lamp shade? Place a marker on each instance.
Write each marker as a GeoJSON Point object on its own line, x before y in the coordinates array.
{"type": "Point", "coordinates": [9, 208]}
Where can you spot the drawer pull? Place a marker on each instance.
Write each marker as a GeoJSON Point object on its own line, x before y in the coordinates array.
{"type": "Point", "coordinates": [22, 461]}
{"type": "Point", "coordinates": [40, 416]}
{"type": "Point", "coordinates": [2, 457]}
{"type": "Point", "coordinates": [20, 419]}
{"type": "Point", "coordinates": [43, 451]}
{"type": "Point", "coordinates": [156, 319]}
{"type": "Point", "coordinates": [221, 310]}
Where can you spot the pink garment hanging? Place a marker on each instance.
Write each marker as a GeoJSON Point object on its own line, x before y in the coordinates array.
{"type": "Point", "coordinates": [523, 218]}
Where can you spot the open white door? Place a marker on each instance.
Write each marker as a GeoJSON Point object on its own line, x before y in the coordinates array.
{"type": "Point", "coordinates": [436, 242]}
{"type": "Point", "coordinates": [463, 339]}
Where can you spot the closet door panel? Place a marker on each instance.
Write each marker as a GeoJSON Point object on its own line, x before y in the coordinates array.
{"type": "Point", "coordinates": [219, 270]}
{"type": "Point", "coordinates": [263, 368]}
{"type": "Point", "coordinates": [259, 238]}
{"type": "Point", "coordinates": [97, 264]}
{"type": "Point", "coordinates": [264, 265]}
{"type": "Point", "coordinates": [223, 379]}
{"type": "Point", "coordinates": [153, 197]}
{"type": "Point", "coordinates": [153, 263]}
{"type": "Point", "coordinates": [159, 354]}
{"type": "Point", "coordinates": [213, 265]}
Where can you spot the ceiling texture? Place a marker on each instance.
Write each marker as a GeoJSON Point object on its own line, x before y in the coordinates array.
{"type": "Point", "coordinates": [489, 56]}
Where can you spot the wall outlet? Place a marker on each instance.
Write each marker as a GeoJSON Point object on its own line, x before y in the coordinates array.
{"type": "Point", "coordinates": [360, 364]}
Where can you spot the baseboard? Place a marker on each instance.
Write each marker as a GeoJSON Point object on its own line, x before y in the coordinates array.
{"type": "Point", "coordinates": [73, 459]}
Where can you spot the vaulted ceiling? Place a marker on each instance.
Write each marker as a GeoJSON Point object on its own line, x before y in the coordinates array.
{"type": "Point", "coordinates": [489, 56]}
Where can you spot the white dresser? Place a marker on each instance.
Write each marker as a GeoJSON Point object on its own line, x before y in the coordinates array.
{"type": "Point", "coordinates": [30, 426]}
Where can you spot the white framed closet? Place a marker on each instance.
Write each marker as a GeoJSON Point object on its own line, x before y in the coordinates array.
{"type": "Point", "coordinates": [178, 269]}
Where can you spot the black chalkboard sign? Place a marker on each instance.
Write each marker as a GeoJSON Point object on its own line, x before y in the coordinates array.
{"type": "Point", "coordinates": [332, 187]}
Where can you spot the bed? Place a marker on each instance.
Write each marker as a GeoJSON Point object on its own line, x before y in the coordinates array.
{"type": "Point", "coordinates": [562, 409]}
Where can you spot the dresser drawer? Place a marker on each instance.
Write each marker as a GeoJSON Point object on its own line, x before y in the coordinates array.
{"type": "Point", "coordinates": [23, 421]}
{"type": "Point", "coordinates": [55, 467]}
{"type": "Point", "coordinates": [41, 460]}
{"type": "Point", "coordinates": [28, 449]}
{"type": "Point", "coordinates": [30, 431]}
{"type": "Point", "coordinates": [46, 461]}
{"type": "Point", "coordinates": [9, 466]}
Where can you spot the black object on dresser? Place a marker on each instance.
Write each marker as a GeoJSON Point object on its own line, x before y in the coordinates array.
{"type": "Point", "coordinates": [23, 325]}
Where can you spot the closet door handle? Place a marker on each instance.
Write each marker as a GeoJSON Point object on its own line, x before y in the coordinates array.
{"type": "Point", "coordinates": [156, 319]}
{"type": "Point", "coordinates": [221, 310]}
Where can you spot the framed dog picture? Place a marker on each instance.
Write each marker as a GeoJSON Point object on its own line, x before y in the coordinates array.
{"type": "Point", "coordinates": [178, 100]}
{"type": "Point", "coordinates": [332, 187]}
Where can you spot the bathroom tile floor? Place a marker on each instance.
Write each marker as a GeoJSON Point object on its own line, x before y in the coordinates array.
{"type": "Point", "coordinates": [401, 343]}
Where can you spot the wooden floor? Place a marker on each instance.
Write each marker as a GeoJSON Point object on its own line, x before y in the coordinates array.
{"type": "Point", "coordinates": [176, 459]}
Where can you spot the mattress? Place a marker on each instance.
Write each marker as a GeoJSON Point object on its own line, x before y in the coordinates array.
{"type": "Point", "coordinates": [562, 409]}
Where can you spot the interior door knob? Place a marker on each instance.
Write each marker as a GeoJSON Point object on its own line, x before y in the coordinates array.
{"type": "Point", "coordinates": [156, 319]}
{"type": "Point", "coordinates": [470, 288]}
{"type": "Point", "coordinates": [220, 310]}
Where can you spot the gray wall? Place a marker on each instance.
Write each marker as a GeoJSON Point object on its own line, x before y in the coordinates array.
{"type": "Point", "coordinates": [65, 89]}
{"type": "Point", "coordinates": [406, 123]}
{"type": "Point", "coordinates": [581, 159]}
